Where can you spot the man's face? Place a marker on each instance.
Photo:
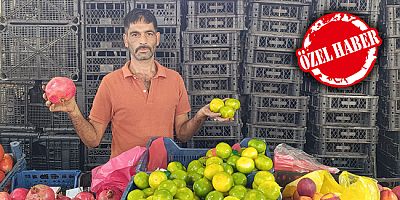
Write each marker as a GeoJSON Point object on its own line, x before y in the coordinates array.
{"type": "Point", "coordinates": [141, 39]}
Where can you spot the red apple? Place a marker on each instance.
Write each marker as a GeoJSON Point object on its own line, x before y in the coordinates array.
{"type": "Point", "coordinates": [396, 191]}
{"type": "Point", "coordinates": [388, 195]}
{"type": "Point", "coordinates": [306, 187]}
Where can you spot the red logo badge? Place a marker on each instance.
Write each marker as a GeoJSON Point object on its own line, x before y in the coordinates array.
{"type": "Point", "coordinates": [339, 50]}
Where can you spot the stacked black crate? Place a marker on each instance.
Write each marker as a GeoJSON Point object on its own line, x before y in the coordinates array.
{"type": "Point", "coordinates": [38, 41]}
{"type": "Point", "coordinates": [342, 121]}
{"type": "Point", "coordinates": [389, 91]}
{"type": "Point", "coordinates": [272, 79]}
{"type": "Point", "coordinates": [212, 56]}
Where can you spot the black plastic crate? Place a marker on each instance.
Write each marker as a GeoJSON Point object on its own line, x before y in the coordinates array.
{"type": "Point", "coordinates": [392, 11]}
{"type": "Point", "coordinates": [389, 160]}
{"type": "Point", "coordinates": [198, 100]}
{"type": "Point", "coordinates": [97, 156]}
{"type": "Point", "coordinates": [170, 37]}
{"type": "Point", "coordinates": [220, 7]}
{"type": "Point", "coordinates": [215, 22]}
{"type": "Point", "coordinates": [275, 117]}
{"type": "Point", "coordinates": [211, 69]}
{"type": "Point", "coordinates": [390, 60]}
{"type": "Point", "coordinates": [271, 144]}
{"type": "Point", "coordinates": [394, 135]}
{"type": "Point", "coordinates": [392, 45]}
{"type": "Point", "coordinates": [278, 26]}
{"type": "Point", "coordinates": [343, 118]}
{"type": "Point", "coordinates": [98, 62]}
{"type": "Point", "coordinates": [206, 84]}
{"type": "Point", "coordinates": [389, 106]}
{"type": "Point", "coordinates": [46, 11]}
{"type": "Point", "coordinates": [219, 130]}
{"type": "Point", "coordinates": [371, 18]}
{"type": "Point", "coordinates": [168, 58]}
{"type": "Point", "coordinates": [197, 54]}
{"type": "Point", "coordinates": [273, 73]}
{"type": "Point", "coordinates": [390, 121]}
{"type": "Point", "coordinates": [26, 140]}
{"type": "Point", "coordinates": [280, 11]}
{"type": "Point", "coordinates": [323, 146]}
{"type": "Point", "coordinates": [13, 103]}
{"type": "Point", "coordinates": [345, 102]}
{"type": "Point", "coordinates": [57, 151]}
{"type": "Point", "coordinates": [389, 146]}
{"type": "Point", "coordinates": [210, 143]}
{"type": "Point", "coordinates": [390, 76]}
{"type": "Point", "coordinates": [285, 43]}
{"type": "Point", "coordinates": [271, 57]}
{"type": "Point", "coordinates": [284, 2]}
{"type": "Point", "coordinates": [104, 37]}
{"type": "Point", "coordinates": [292, 103]}
{"type": "Point", "coordinates": [45, 52]}
{"type": "Point", "coordinates": [353, 164]}
{"type": "Point", "coordinates": [167, 12]}
{"type": "Point", "coordinates": [353, 6]}
{"type": "Point", "coordinates": [283, 133]}
{"type": "Point", "coordinates": [271, 87]}
{"type": "Point", "coordinates": [361, 88]}
{"type": "Point", "coordinates": [350, 134]}
{"type": "Point", "coordinates": [104, 12]}
{"type": "Point", "coordinates": [390, 179]}
{"type": "Point", "coordinates": [210, 38]}
{"type": "Point", "coordinates": [392, 28]}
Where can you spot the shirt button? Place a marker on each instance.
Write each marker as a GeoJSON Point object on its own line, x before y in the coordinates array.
{"type": "Point", "coordinates": [144, 91]}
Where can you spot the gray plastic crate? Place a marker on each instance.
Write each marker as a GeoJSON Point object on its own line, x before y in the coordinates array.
{"type": "Point", "coordinates": [353, 164]}
{"type": "Point", "coordinates": [390, 122]}
{"type": "Point", "coordinates": [393, 28]}
{"type": "Point", "coordinates": [271, 87]}
{"type": "Point", "coordinates": [210, 143]}
{"type": "Point", "coordinates": [359, 6]}
{"type": "Point", "coordinates": [280, 11]}
{"type": "Point", "coordinates": [389, 106]}
{"type": "Point", "coordinates": [260, 101]}
{"type": "Point", "coordinates": [45, 52]}
{"type": "Point", "coordinates": [103, 12]}
{"type": "Point", "coordinates": [100, 62]}
{"type": "Point", "coordinates": [169, 58]}
{"type": "Point", "coordinates": [104, 37]}
{"type": "Point", "coordinates": [211, 69]}
{"type": "Point", "coordinates": [167, 12]}
{"type": "Point", "coordinates": [275, 117]}
{"type": "Point", "coordinates": [278, 26]}
{"type": "Point", "coordinates": [350, 134]}
{"type": "Point", "coordinates": [25, 138]}
{"type": "Point", "coordinates": [219, 130]}
{"type": "Point", "coordinates": [390, 60]}
{"type": "Point", "coordinates": [345, 102]}
{"type": "Point", "coordinates": [271, 57]}
{"type": "Point", "coordinates": [343, 118]}
{"type": "Point", "coordinates": [170, 37]}
{"type": "Point", "coordinates": [284, 2]}
{"type": "Point", "coordinates": [371, 18]}
{"type": "Point", "coordinates": [192, 54]}
{"type": "Point", "coordinates": [392, 45]}
{"type": "Point", "coordinates": [210, 38]}
{"type": "Point", "coordinates": [271, 144]}
{"type": "Point", "coordinates": [390, 76]}
{"type": "Point", "coordinates": [97, 156]}
{"type": "Point", "coordinates": [284, 43]}
{"type": "Point", "coordinates": [215, 22]}
{"type": "Point", "coordinates": [392, 12]}
{"type": "Point", "coordinates": [44, 11]}
{"type": "Point", "coordinates": [361, 88]}
{"type": "Point", "coordinates": [200, 99]}
{"type": "Point", "coordinates": [207, 84]}
{"type": "Point", "coordinates": [284, 133]}
{"type": "Point", "coordinates": [220, 7]}
{"type": "Point", "coordinates": [274, 73]}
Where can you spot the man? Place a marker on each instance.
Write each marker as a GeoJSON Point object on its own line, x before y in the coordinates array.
{"type": "Point", "coordinates": [143, 99]}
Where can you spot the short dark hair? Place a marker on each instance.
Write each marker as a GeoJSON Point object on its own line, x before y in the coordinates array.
{"type": "Point", "coordinates": [137, 15]}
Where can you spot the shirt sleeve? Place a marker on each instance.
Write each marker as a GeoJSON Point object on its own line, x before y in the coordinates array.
{"type": "Point", "coordinates": [183, 104]}
{"type": "Point", "coordinates": [101, 108]}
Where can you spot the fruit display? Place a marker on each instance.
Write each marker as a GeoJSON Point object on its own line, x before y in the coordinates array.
{"type": "Point", "coordinates": [225, 172]}
{"type": "Point", "coordinates": [389, 194]}
{"type": "Point", "coordinates": [226, 108]}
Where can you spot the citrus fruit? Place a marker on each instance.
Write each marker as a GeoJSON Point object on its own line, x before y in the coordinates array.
{"type": "Point", "coordinates": [227, 168]}
{"type": "Point", "coordinates": [149, 197]}
{"type": "Point", "coordinates": [214, 160]}
{"type": "Point", "coordinates": [179, 174]}
{"type": "Point", "coordinates": [202, 187]}
{"type": "Point", "coordinates": [203, 160]}
{"type": "Point", "coordinates": [179, 183]}
{"type": "Point", "coordinates": [263, 176]}
{"type": "Point", "coordinates": [211, 152]}
{"type": "Point", "coordinates": [156, 178]}
{"type": "Point", "coordinates": [193, 177]}
{"type": "Point", "coordinates": [148, 191]}
{"type": "Point", "coordinates": [194, 165]}
{"type": "Point", "coordinates": [211, 170]}
{"type": "Point", "coordinates": [238, 191]}
{"type": "Point", "coordinates": [227, 112]}
{"type": "Point", "coordinates": [254, 195]}
{"type": "Point", "coordinates": [135, 194]}
{"type": "Point", "coordinates": [162, 195]}
{"type": "Point", "coordinates": [195, 197]}
{"type": "Point", "coordinates": [184, 194]}
{"type": "Point", "coordinates": [232, 160]}
{"type": "Point", "coordinates": [250, 152]}
{"type": "Point", "coordinates": [245, 165]}
{"type": "Point", "coordinates": [254, 185]}
{"type": "Point", "coordinates": [223, 150]}
{"type": "Point", "coordinates": [216, 104]}
{"type": "Point", "coordinates": [239, 178]}
{"type": "Point", "coordinates": [168, 185]}
{"type": "Point", "coordinates": [200, 171]}
{"type": "Point", "coordinates": [234, 103]}
{"type": "Point", "coordinates": [258, 144]}
{"type": "Point", "coordinates": [215, 195]}
{"type": "Point", "coordinates": [141, 180]}
{"type": "Point", "coordinates": [263, 163]}
{"type": "Point", "coordinates": [231, 198]}
{"type": "Point", "coordinates": [270, 189]}
{"type": "Point", "coordinates": [222, 182]}
{"type": "Point", "coordinates": [173, 166]}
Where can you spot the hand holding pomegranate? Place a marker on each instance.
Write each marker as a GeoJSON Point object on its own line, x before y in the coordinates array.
{"type": "Point", "coordinates": [59, 95]}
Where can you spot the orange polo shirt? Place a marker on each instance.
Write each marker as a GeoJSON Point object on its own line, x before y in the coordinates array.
{"type": "Point", "coordinates": [136, 116]}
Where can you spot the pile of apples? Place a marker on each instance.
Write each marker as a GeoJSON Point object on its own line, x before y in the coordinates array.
{"type": "Point", "coordinates": [389, 194]}
{"type": "Point", "coordinates": [307, 190]}
{"type": "Point", "coordinates": [6, 163]}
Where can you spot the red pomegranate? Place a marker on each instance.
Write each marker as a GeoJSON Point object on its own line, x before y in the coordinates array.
{"type": "Point", "coordinates": [19, 193]}
{"type": "Point", "coordinates": [62, 197]}
{"type": "Point", "coordinates": [84, 196]}
{"type": "Point", "coordinates": [40, 191]}
{"type": "Point", "coordinates": [5, 196]}
{"type": "Point", "coordinates": [60, 88]}
{"type": "Point", "coordinates": [109, 195]}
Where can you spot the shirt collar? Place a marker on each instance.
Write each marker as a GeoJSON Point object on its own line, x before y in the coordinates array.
{"type": "Point", "coordinates": [161, 70]}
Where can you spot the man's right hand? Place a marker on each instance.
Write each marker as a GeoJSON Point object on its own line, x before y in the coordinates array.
{"type": "Point", "coordinates": [65, 106]}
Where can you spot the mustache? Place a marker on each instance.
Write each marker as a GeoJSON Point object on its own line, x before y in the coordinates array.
{"type": "Point", "coordinates": [141, 47]}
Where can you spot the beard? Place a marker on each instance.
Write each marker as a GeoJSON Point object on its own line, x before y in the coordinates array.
{"type": "Point", "coordinates": [142, 55]}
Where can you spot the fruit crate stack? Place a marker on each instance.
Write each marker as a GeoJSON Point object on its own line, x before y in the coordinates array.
{"type": "Point", "coordinates": [212, 57]}
{"type": "Point", "coordinates": [389, 86]}
{"type": "Point", "coordinates": [277, 113]}
{"type": "Point", "coordinates": [342, 121]}
{"type": "Point", "coordinates": [37, 43]}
